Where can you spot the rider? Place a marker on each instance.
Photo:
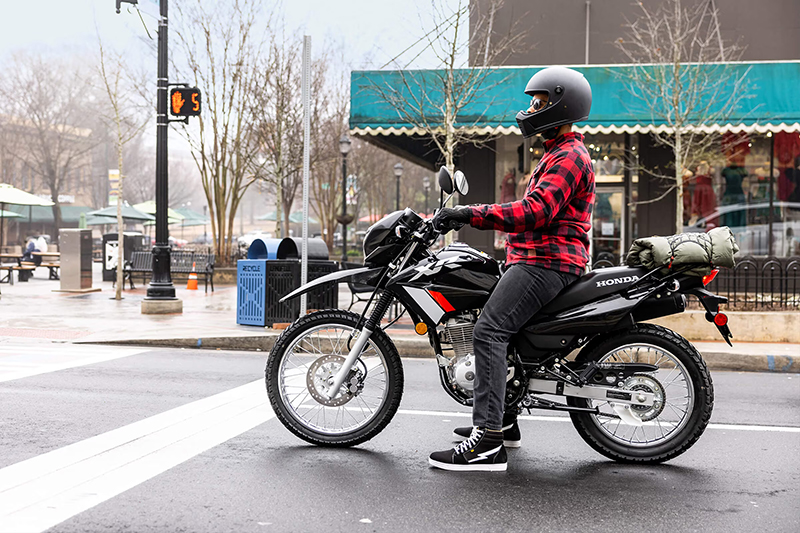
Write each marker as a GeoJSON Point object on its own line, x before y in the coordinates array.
{"type": "Point", "coordinates": [547, 248]}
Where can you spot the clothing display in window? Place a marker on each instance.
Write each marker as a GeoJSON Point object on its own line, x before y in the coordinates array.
{"type": "Point", "coordinates": [704, 201]}
{"type": "Point", "coordinates": [734, 175]}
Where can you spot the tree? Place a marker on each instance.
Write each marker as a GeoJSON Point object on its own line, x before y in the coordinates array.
{"type": "Point", "coordinates": [433, 100]}
{"type": "Point", "coordinates": [221, 46]}
{"type": "Point", "coordinates": [278, 110]}
{"type": "Point", "coordinates": [127, 117]}
{"type": "Point", "coordinates": [680, 78]}
{"type": "Point", "coordinates": [43, 103]}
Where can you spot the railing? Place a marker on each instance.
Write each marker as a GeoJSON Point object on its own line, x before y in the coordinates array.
{"type": "Point", "coordinates": [766, 283]}
{"type": "Point", "coordinates": [755, 283]}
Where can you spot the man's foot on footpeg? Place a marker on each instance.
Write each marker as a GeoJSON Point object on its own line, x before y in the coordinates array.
{"type": "Point", "coordinates": [511, 435]}
{"type": "Point", "coordinates": [482, 451]}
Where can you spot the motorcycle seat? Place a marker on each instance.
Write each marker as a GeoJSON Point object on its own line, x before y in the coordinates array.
{"type": "Point", "coordinates": [593, 286]}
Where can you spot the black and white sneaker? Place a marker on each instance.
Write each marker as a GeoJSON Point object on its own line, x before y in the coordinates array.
{"type": "Point", "coordinates": [482, 451]}
{"type": "Point", "coordinates": [511, 435]}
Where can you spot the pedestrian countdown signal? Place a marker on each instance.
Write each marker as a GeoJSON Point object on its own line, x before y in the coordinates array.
{"type": "Point", "coordinates": [185, 102]}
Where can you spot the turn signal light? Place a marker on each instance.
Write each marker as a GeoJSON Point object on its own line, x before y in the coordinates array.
{"type": "Point", "coordinates": [421, 328]}
{"type": "Point", "coordinates": [721, 319]}
{"type": "Point", "coordinates": [708, 278]}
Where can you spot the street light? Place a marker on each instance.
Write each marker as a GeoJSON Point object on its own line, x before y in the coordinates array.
{"type": "Point", "coordinates": [344, 219]}
{"type": "Point", "coordinates": [426, 184]}
{"type": "Point", "coordinates": [398, 171]}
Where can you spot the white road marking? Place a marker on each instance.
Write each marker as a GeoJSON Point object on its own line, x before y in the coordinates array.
{"type": "Point", "coordinates": [44, 491]}
{"type": "Point", "coordinates": [19, 361]}
{"type": "Point", "coordinates": [732, 427]}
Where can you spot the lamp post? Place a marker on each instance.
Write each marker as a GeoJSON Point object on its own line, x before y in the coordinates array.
{"type": "Point", "coordinates": [161, 289]}
{"type": "Point", "coordinates": [398, 171]}
{"type": "Point", "coordinates": [426, 184]}
{"type": "Point", "coordinates": [344, 148]}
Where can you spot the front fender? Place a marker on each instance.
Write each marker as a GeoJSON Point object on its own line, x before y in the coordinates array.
{"type": "Point", "coordinates": [366, 273]}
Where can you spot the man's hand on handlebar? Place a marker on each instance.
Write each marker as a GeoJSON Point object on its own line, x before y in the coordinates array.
{"type": "Point", "coordinates": [447, 218]}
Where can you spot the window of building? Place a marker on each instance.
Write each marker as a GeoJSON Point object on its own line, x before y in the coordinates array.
{"type": "Point", "coordinates": [731, 187]}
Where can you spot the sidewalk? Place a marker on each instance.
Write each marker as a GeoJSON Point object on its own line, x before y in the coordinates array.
{"type": "Point", "coordinates": [31, 310]}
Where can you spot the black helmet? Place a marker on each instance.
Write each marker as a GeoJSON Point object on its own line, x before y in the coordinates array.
{"type": "Point", "coordinates": [570, 99]}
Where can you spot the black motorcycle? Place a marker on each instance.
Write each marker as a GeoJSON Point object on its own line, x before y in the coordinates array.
{"type": "Point", "coordinates": [636, 392]}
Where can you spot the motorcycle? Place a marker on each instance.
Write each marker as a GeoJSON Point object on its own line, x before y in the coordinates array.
{"type": "Point", "coordinates": [635, 392]}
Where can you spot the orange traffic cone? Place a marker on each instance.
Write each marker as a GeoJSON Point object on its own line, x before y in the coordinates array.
{"type": "Point", "coordinates": [191, 285]}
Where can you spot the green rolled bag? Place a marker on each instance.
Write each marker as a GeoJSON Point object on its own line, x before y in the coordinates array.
{"type": "Point", "coordinates": [706, 250]}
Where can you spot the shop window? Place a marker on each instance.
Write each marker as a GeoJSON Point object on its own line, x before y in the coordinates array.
{"type": "Point", "coordinates": [731, 187]}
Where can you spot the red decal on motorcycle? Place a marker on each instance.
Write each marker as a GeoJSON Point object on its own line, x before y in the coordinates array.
{"type": "Point", "coordinates": [708, 278]}
{"type": "Point", "coordinates": [442, 301]}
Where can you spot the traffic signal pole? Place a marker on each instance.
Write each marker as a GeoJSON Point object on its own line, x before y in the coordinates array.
{"type": "Point", "coordinates": [161, 292]}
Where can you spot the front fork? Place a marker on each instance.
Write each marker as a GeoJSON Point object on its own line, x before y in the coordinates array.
{"type": "Point", "coordinates": [373, 323]}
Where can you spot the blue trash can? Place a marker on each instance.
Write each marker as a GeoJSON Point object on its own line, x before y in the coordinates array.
{"type": "Point", "coordinates": [251, 291]}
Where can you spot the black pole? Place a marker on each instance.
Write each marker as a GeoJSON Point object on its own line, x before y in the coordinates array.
{"type": "Point", "coordinates": [161, 287]}
{"type": "Point", "coordinates": [344, 207]}
{"type": "Point", "coordinates": [397, 202]}
{"type": "Point", "coordinates": [426, 200]}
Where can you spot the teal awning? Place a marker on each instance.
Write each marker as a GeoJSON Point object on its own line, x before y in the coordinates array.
{"type": "Point", "coordinates": [773, 103]}
{"type": "Point", "coordinates": [70, 214]}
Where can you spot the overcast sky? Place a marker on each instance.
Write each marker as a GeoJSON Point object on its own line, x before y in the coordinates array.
{"type": "Point", "coordinates": [376, 30]}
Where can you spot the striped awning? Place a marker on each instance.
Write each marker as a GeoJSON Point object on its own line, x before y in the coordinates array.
{"type": "Point", "coordinates": [772, 102]}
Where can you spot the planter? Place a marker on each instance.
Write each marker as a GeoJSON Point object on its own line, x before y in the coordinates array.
{"type": "Point", "coordinates": [225, 276]}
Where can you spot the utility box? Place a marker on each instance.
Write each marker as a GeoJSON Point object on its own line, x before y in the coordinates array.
{"type": "Point", "coordinates": [76, 259]}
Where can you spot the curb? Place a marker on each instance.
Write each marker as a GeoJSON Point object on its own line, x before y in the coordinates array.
{"type": "Point", "coordinates": [419, 348]}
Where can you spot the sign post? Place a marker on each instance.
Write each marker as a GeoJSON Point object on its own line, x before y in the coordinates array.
{"type": "Point", "coordinates": [306, 163]}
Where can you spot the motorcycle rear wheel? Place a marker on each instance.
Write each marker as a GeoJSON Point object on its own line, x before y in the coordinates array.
{"type": "Point", "coordinates": [301, 364]}
{"type": "Point", "coordinates": [669, 429]}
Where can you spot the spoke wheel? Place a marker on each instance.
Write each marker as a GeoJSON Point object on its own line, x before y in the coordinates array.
{"type": "Point", "coordinates": [681, 386]}
{"type": "Point", "coordinates": [300, 371]}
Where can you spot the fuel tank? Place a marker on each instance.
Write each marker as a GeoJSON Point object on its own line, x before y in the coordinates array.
{"type": "Point", "coordinates": [458, 278]}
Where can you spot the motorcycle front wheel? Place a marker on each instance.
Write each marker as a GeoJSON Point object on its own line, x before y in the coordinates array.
{"type": "Point", "coordinates": [300, 368]}
{"type": "Point", "coordinates": [682, 387]}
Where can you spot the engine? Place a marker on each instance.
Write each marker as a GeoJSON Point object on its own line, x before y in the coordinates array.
{"type": "Point", "coordinates": [461, 368]}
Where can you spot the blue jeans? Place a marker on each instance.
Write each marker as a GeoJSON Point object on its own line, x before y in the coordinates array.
{"type": "Point", "coordinates": [521, 292]}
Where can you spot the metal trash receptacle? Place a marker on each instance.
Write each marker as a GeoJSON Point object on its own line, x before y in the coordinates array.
{"type": "Point", "coordinates": [134, 242]}
{"type": "Point", "coordinates": [251, 282]}
{"type": "Point", "coordinates": [326, 296]}
{"type": "Point", "coordinates": [272, 271]}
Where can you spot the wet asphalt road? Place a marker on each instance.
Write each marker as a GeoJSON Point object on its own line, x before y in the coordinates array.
{"type": "Point", "coordinates": [265, 479]}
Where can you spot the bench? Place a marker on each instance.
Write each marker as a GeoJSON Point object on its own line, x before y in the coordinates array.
{"type": "Point", "coordinates": [357, 288]}
{"type": "Point", "coordinates": [180, 263]}
{"type": "Point", "coordinates": [52, 266]}
{"type": "Point", "coordinates": [25, 270]}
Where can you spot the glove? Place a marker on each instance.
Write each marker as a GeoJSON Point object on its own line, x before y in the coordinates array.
{"type": "Point", "coordinates": [447, 218]}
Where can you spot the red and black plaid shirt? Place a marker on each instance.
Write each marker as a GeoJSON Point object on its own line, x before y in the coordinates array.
{"type": "Point", "coordinates": [550, 226]}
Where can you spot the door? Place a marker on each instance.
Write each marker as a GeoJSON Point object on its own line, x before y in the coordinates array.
{"type": "Point", "coordinates": [608, 226]}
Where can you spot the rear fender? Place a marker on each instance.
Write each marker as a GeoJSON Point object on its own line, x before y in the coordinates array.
{"type": "Point", "coordinates": [365, 274]}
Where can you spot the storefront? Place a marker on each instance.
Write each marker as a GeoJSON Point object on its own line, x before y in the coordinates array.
{"type": "Point", "coordinates": [749, 180]}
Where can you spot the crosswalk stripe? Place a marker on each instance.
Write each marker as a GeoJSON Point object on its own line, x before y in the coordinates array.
{"type": "Point", "coordinates": [43, 491]}
{"type": "Point", "coordinates": [18, 361]}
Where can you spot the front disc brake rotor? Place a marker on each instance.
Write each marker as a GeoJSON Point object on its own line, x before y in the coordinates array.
{"type": "Point", "coordinates": [646, 383]}
{"type": "Point", "coordinates": [320, 377]}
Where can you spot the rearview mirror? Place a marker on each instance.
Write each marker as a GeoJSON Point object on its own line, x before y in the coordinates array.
{"type": "Point", "coordinates": [445, 180]}
{"type": "Point", "coordinates": [460, 183]}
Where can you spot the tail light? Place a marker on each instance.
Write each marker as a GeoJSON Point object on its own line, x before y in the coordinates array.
{"type": "Point", "coordinates": [708, 278]}
{"type": "Point", "coordinates": [720, 319]}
